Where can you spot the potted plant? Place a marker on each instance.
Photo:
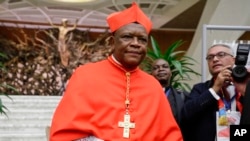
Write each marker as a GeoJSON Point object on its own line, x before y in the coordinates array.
{"type": "Point", "coordinates": [180, 64]}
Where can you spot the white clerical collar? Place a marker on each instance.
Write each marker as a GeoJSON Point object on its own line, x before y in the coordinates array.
{"type": "Point", "coordinates": [119, 64]}
{"type": "Point", "coordinates": [113, 57]}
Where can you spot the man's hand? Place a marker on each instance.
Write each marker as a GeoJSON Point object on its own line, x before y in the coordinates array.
{"type": "Point", "coordinates": [223, 77]}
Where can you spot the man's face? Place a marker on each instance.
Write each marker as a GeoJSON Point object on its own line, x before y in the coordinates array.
{"type": "Point", "coordinates": [161, 70]}
{"type": "Point", "coordinates": [221, 57]}
{"type": "Point", "coordinates": [130, 45]}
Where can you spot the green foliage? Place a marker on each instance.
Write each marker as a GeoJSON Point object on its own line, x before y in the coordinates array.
{"type": "Point", "coordinates": [180, 64]}
{"type": "Point", "coordinates": [2, 69]}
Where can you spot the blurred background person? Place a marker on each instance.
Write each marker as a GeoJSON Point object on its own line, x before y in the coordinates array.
{"type": "Point", "coordinates": [161, 71]}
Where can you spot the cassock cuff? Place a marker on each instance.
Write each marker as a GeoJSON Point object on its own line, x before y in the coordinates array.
{"type": "Point", "coordinates": [211, 90]}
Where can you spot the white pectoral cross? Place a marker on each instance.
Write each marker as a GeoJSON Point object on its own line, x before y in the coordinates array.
{"type": "Point", "coordinates": [126, 124]}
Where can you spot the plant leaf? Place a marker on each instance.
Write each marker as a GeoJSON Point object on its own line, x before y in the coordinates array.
{"type": "Point", "coordinates": [156, 48]}
{"type": "Point", "coordinates": [2, 108]}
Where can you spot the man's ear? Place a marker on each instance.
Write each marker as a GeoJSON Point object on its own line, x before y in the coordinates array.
{"type": "Point", "coordinates": [110, 42]}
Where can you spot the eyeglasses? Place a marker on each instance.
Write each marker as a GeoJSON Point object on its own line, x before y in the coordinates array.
{"type": "Point", "coordinates": [219, 55]}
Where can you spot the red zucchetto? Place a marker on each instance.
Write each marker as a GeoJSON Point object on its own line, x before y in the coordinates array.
{"type": "Point", "coordinates": [130, 15]}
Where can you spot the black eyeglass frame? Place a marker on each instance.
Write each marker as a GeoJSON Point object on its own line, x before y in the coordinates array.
{"type": "Point", "coordinates": [219, 55]}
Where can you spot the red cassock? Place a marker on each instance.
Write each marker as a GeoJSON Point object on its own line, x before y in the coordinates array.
{"type": "Point", "coordinates": [94, 103]}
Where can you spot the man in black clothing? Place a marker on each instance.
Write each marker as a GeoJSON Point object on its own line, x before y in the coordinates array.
{"type": "Point", "coordinates": [161, 71]}
{"type": "Point", "coordinates": [207, 98]}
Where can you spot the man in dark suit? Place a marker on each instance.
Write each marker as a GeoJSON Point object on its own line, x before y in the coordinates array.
{"type": "Point", "coordinates": [161, 71]}
{"type": "Point", "coordinates": [206, 98]}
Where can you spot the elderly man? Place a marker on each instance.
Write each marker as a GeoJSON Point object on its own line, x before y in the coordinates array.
{"type": "Point", "coordinates": [113, 100]}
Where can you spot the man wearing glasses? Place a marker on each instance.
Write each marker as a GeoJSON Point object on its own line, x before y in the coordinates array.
{"type": "Point", "coordinates": [206, 98]}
